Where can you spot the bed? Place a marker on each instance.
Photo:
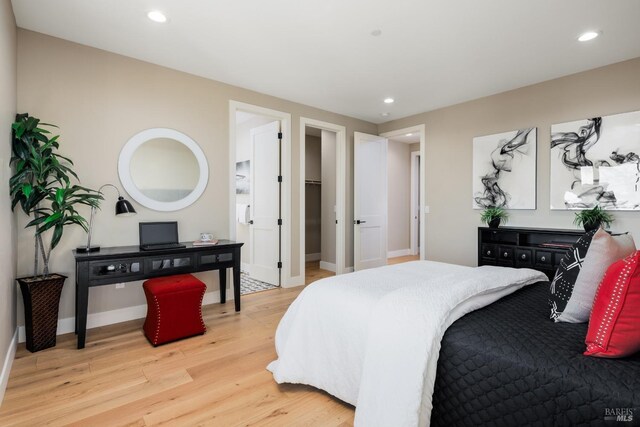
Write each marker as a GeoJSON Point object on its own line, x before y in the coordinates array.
{"type": "Point", "coordinates": [372, 338]}
{"type": "Point", "coordinates": [507, 364]}
{"type": "Point", "coordinates": [430, 343]}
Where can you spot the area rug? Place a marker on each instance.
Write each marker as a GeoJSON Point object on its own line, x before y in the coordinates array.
{"type": "Point", "coordinates": [249, 285]}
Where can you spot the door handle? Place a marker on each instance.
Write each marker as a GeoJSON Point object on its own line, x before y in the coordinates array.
{"type": "Point", "coordinates": [358, 222]}
{"type": "Point", "coordinates": [250, 222]}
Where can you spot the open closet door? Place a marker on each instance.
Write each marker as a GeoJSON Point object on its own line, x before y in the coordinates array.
{"type": "Point", "coordinates": [370, 201]}
{"type": "Point", "coordinates": [264, 232]}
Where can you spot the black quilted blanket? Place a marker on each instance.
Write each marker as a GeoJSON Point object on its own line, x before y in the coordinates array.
{"type": "Point", "coordinates": [509, 365]}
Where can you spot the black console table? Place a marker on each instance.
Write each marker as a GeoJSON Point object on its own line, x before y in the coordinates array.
{"type": "Point", "coordinates": [537, 248]}
{"type": "Point", "coordinates": [129, 263]}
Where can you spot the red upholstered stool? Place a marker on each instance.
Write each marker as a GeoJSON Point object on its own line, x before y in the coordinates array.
{"type": "Point", "coordinates": [174, 308]}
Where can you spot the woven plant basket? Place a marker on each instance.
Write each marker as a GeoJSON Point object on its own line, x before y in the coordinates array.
{"type": "Point", "coordinates": [41, 296]}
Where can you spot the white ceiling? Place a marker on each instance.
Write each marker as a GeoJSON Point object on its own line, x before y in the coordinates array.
{"type": "Point", "coordinates": [431, 53]}
{"type": "Point", "coordinates": [411, 138]}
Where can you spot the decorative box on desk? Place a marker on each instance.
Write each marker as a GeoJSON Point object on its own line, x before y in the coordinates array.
{"type": "Point", "coordinates": [537, 248]}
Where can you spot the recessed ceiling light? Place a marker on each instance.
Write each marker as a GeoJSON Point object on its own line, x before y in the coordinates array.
{"type": "Point", "coordinates": [409, 134]}
{"type": "Point", "coordinates": [589, 35]}
{"type": "Point", "coordinates": [157, 16]}
{"type": "Point", "coordinates": [384, 114]}
{"type": "Point", "coordinates": [376, 32]}
{"type": "Point", "coordinates": [389, 100]}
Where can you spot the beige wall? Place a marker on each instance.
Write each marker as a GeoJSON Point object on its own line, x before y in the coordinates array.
{"type": "Point", "coordinates": [451, 226]}
{"type": "Point", "coordinates": [398, 196]}
{"type": "Point", "coordinates": [8, 102]}
{"type": "Point", "coordinates": [313, 196]}
{"type": "Point", "coordinates": [313, 161]}
{"type": "Point", "coordinates": [100, 100]}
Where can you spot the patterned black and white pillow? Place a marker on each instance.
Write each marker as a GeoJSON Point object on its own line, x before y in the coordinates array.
{"type": "Point", "coordinates": [567, 274]}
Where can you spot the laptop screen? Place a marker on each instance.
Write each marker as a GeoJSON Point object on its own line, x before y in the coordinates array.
{"type": "Point", "coordinates": [153, 233]}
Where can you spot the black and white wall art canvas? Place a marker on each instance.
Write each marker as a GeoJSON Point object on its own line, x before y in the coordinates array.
{"type": "Point", "coordinates": [243, 177]}
{"type": "Point", "coordinates": [504, 170]}
{"type": "Point", "coordinates": [596, 162]}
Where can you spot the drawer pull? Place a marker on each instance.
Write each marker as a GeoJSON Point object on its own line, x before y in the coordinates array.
{"type": "Point", "coordinates": [506, 255]}
{"type": "Point", "coordinates": [543, 259]}
{"type": "Point", "coordinates": [523, 256]}
{"type": "Point", "coordinates": [488, 252]}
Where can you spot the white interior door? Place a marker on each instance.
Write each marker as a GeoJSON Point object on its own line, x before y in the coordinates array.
{"type": "Point", "coordinates": [263, 227]}
{"type": "Point", "coordinates": [370, 201]}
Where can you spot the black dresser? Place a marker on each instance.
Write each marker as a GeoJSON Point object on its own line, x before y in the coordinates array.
{"type": "Point", "coordinates": [537, 248]}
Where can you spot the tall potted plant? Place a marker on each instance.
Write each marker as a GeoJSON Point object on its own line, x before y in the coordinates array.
{"type": "Point", "coordinates": [42, 186]}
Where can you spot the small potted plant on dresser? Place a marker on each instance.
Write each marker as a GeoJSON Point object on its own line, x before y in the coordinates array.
{"type": "Point", "coordinates": [493, 216]}
{"type": "Point", "coordinates": [592, 219]}
{"type": "Point", "coordinates": [42, 187]}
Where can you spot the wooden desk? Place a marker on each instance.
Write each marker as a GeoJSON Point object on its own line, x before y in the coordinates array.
{"type": "Point", "coordinates": [129, 263]}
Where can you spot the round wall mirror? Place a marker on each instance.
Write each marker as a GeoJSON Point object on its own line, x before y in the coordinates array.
{"type": "Point", "coordinates": [163, 169]}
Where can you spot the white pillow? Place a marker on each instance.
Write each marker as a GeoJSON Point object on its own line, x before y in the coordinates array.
{"type": "Point", "coordinates": [603, 251]}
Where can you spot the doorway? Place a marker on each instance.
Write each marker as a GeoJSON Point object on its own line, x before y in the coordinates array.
{"type": "Point", "coordinates": [322, 167]}
{"type": "Point", "coordinates": [415, 137]}
{"type": "Point", "coordinates": [258, 199]}
{"type": "Point", "coordinates": [415, 201]}
{"type": "Point", "coordinates": [320, 202]}
{"type": "Point", "coordinates": [388, 213]}
{"type": "Point", "coordinates": [403, 196]}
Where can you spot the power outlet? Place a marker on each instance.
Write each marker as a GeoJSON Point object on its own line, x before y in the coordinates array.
{"type": "Point", "coordinates": [119, 285]}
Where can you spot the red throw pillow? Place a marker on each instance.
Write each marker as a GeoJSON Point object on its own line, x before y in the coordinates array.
{"type": "Point", "coordinates": [614, 326]}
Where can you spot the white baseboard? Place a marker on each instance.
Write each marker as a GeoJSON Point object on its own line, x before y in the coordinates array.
{"type": "Point", "coordinates": [327, 266]}
{"type": "Point", "coordinates": [8, 362]}
{"type": "Point", "coordinates": [294, 281]}
{"type": "Point", "coordinates": [312, 257]}
{"type": "Point", "coordinates": [110, 317]}
{"type": "Point", "coordinates": [348, 270]}
{"type": "Point", "coordinates": [400, 252]}
{"type": "Point", "coordinates": [245, 267]}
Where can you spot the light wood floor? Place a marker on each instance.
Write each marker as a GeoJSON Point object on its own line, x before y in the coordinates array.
{"type": "Point", "coordinates": [313, 271]}
{"type": "Point", "coordinates": [402, 259]}
{"type": "Point", "coordinates": [216, 379]}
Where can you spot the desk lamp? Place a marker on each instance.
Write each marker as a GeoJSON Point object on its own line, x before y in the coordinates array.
{"type": "Point", "coordinates": [123, 208]}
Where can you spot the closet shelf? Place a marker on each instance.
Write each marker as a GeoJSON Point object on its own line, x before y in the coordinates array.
{"type": "Point", "coordinates": [312, 182]}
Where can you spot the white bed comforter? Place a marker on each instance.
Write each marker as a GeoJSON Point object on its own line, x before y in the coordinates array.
{"type": "Point", "coordinates": [372, 338]}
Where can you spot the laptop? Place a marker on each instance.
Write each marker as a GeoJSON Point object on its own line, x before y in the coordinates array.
{"type": "Point", "coordinates": [159, 235]}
